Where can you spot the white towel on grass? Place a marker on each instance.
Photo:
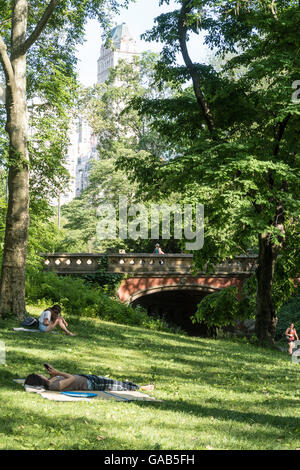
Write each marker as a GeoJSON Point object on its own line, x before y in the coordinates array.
{"type": "Point", "coordinates": [33, 331]}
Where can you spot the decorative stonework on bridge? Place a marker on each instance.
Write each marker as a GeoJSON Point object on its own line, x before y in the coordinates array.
{"type": "Point", "coordinates": [151, 273]}
{"type": "Point", "coordinates": [140, 264]}
{"type": "Point", "coordinates": [71, 263]}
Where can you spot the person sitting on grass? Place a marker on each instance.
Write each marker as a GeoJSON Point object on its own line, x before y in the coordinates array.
{"type": "Point", "coordinates": [62, 381]}
{"type": "Point", "coordinates": [50, 318]}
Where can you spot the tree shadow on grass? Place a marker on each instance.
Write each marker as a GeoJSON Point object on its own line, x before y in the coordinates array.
{"type": "Point", "coordinates": [138, 338]}
{"type": "Point", "coordinates": [49, 426]}
{"type": "Point", "coordinates": [199, 410]}
{"type": "Point", "coordinates": [203, 372]}
{"type": "Point", "coordinates": [205, 362]}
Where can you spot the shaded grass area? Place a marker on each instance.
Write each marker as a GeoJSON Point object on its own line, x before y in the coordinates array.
{"type": "Point", "coordinates": [216, 394]}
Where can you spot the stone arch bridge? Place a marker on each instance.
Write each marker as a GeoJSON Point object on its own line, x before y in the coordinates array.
{"type": "Point", "coordinates": [163, 284]}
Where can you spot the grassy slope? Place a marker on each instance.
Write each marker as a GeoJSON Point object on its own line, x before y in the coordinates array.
{"type": "Point", "coordinates": [216, 394]}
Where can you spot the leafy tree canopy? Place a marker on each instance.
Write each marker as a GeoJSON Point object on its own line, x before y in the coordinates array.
{"type": "Point", "coordinates": [234, 133]}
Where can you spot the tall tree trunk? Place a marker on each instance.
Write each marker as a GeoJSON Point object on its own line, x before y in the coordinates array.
{"type": "Point", "coordinates": [12, 287]}
{"type": "Point", "coordinates": [266, 320]}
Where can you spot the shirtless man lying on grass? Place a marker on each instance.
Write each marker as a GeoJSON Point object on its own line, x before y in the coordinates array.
{"type": "Point", "coordinates": [62, 381]}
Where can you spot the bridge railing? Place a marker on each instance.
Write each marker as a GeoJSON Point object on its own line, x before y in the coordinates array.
{"type": "Point", "coordinates": [141, 264]}
{"type": "Point", "coordinates": [145, 263]}
{"type": "Point", "coordinates": [138, 264]}
{"type": "Point", "coordinates": [71, 263]}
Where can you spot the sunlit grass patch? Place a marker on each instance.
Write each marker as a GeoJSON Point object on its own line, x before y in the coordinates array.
{"type": "Point", "coordinates": [216, 394]}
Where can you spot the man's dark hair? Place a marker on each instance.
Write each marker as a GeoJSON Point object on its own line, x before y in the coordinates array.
{"type": "Point", "coordinates": [36, 380]}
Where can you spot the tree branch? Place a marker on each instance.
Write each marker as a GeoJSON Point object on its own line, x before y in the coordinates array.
{"type": "Point", "coordinates": [182, 32]}
{"type": "Point", "coordinates": [5, 21]}
{"type": "Point", "coordinates": [38, 29]}
{"type": "Point", "coordinates": [6, 64]}
{"type": "Point", "coordinates": [281, 130]}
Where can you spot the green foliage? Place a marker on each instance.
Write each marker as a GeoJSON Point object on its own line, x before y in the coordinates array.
{"type": "Point", "coordinates": [232, 135]}
{"type": "Point", "coordinates": [218, 309]}
{"type": "Point", "coordinates": [122, 135]}
{"type": "Point", "coordinates": [49, 113]}
{"type": "Point", "coordinates": [51, 84]}
{"type": "Point", "coordinates": [83, 299]}
{"type": "Point", "coordinates": [71, 293]}
{"type": "Point", "coordinates": [78, 298]}
{"type": "Point", "coordinates": [289, 313]}
{"type": "Point", "coordinates": [287, 266]}
{"type": "Point", "coordinates": [109, 282]}
{"type": "Point", "coordinates": [43, 237]}
{"type": "Point", "coordinates": [247, 299]}
{"type": "Point", "coordinates": [79, 222]}
{"type": "Point", "coordinates": [249, 166]}
{"type": "Point", "coordinates": [225, 307]}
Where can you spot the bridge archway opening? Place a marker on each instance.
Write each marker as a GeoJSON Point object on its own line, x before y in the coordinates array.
{"type": "Point", "coordinates": [175, 306]}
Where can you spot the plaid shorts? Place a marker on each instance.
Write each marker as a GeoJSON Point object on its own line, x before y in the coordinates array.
{"type": "Point", "coordinates": [96, 382]}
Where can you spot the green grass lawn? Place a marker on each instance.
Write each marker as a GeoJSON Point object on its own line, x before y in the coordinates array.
{"type": "Point", "coordinates": [216, 394]}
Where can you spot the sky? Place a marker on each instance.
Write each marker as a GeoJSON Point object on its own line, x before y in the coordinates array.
{"type": "Point", "coordinates": [139, 17]}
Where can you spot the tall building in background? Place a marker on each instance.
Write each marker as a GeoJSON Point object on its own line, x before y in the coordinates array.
{"type": "Point", "coordinates": [124, 47]}
{"type": "Point", "coordinates": [87, 151]}
{"type": "Point", "coordinates": [70, 164]}
{"type": "Point", "coordinates": [83, 143]}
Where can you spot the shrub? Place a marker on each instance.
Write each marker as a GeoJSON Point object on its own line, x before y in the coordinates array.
{"type": "Point", "coordinates": [74, 296]}
{"type": "Point", "coordinates": [289, 313]}
{"type": "Point", "coordinates": [108, 281]}
{"type": "Point", "coordinates": [218, 309]}
{"type": "Point", "coordinates": [247, 301]}
{"type": "Point", "coordinates": [84, 299]}
{"type": "Point", "coordinates": [225, 307]}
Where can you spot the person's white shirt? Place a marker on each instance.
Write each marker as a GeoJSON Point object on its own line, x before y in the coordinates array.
{"type": "Point", "coordinates": [46, 315]}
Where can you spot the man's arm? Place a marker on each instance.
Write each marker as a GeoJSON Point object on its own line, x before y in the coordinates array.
{"type": "Point", "coordinates": [69, 378]}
